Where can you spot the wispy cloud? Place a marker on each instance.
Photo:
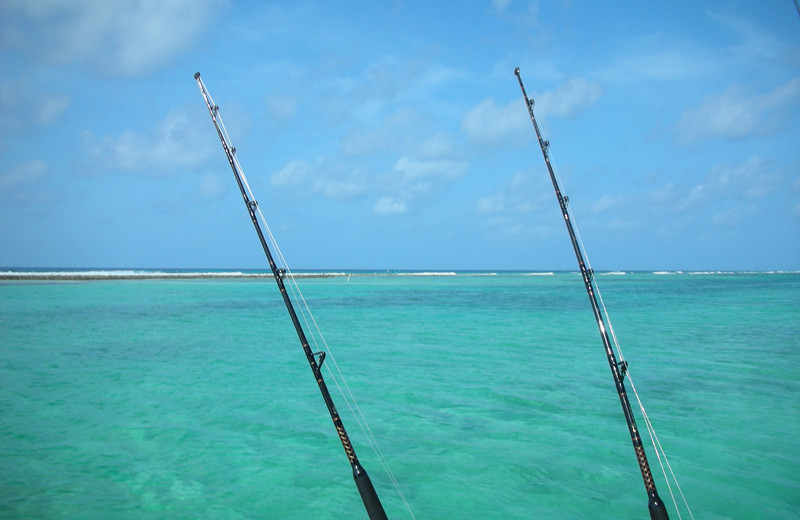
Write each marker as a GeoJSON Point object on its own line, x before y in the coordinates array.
{"type": "Point", "coordinates": [413, 181]}
{"type": "Point", "coordinates": [295, 173]}
{"type": "Point", "coordinates": [731, 217]}
{"type": "Point", "coordinates": [754, 178]}
{"type": "Point", "coordinates": [517, 207]}
{"type": "Point", "coordinates": [23, 106]}
{"type": "Point", "coordinates": [571, 97]}
{"type": "Point", "coordinates": [753, 43]}
{"type": "Point", "coordinates": [17, 183]}
{"type": "Point", "coordinates": [664, 57]}
{"type": "Point", "coordinates": [652, 59]}
{"type": "Point", "coordinates": [397, 131]}
{"type": "Point", "coordinates": [489, 124]}
{"type": "Point", "coordinates": [385, 85]}
{"type": "Point", "coordinates": [388, 205]}
{"type": "Point", "coordinates": [524, 14]}
{"type": "Point", "coordinates": [335, 180]}
{"type": "Point", "coordinates": [723, 197]}
{"type": "Point", "coordinates": [421, 174]}
{"type": "Point", "coordinates": [726, 193]}
{"type": "Point", "coordinates": [116, 38]}
{"type": "Point", "coordinates": [392, 148]}
{"type": "Point", "coordinates": [176, 143]}
{"type": "Point", "coordinates": [22, 174]}
{"type": "Point", "coordinates": [281, 107]}
{"type": "Point", "coordinates": [500, 4]}
{"type": "Point", "coordinates": [409, 183]}
{"type": "Point", "coordinates": [211, 186]}
{"type": "Point", "coordinates": [737, 112]}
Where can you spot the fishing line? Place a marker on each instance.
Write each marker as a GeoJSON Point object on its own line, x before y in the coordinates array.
{"type": "Point", "coordinates": [337, 375]}
{"type": "Point", "coordinates": [655, 504]}
{"type": "Point", "coordinates": [577, 229]}
{"type": "Point", "coordinates": [657, 447]}
{"type": "Point", "coordinates": [661, 452]}
{"type": "Point", "coordinates": [351, 401]}
{"type": "Point", "coordinates": [315, 360]}
{"type": "Point", "coordinates": [318, 338]}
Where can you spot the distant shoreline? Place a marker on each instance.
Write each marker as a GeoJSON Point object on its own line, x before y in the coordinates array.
{"type": "Point", "coordinates": [136, 274]}
{"type": "Point", "coordinates": [79, 276]}
{"type": "Point", "coordinates": [125, 274]}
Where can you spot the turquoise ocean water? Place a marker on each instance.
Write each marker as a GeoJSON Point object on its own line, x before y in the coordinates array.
{"type": "Point", "coordinates": [490, 396]}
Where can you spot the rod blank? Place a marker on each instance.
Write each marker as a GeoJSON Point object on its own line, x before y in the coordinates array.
{"type": "Point", "coordinates": [365, 488]}
{"type": "Point", "coordinates": [655, 505]}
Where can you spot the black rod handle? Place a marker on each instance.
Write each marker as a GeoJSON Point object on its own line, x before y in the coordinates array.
{"type": "Point", "coordinates": [368, 494]}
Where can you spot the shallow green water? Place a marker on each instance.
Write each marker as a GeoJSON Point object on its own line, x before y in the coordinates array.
{"type": "Point", "coordinates": [490, 396]}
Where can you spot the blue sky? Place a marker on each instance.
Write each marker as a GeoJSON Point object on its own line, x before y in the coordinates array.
{"type": "Point", "coordinates": [393, 135]}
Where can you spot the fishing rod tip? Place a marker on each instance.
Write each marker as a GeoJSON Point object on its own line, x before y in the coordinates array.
{"type": "Point", "coordinates": [196, 75]}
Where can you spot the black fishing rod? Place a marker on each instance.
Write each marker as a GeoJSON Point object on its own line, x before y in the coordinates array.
{"type": "Point", "coordinates": [365, 488]}
{"type": "Point", "coordinates": [657, 509]}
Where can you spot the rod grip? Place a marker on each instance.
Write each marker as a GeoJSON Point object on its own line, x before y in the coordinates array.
{"type": "Point", "coordinates": [656, 506]}
{"type": "Point", "coordinates": [368, 494]}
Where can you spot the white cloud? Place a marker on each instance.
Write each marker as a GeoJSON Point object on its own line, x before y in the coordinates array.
{"type": "Point", "coordinates": [414, 180]}
{"type": "Point", "coordinates": [751, 179]}
{"type": "Point", "coordinates": [177, 142]}
{"type": "Point", "coordinates": [20, 184]}
{"type": "Point", "coordinates": [404, 131]}
{"type": "Point", "coordinates": [488, 205]}
{"type": "Point", "coordinates": [340, 187]}
{"type": "Point", "coordinates": [490, 124]}
{"type": "Point", "coordinates": [652, 59]}
{"type": "Point", "coordinates": [500, 4]}
{"type": "Point", "coordinates": [390, 206]}
{"type": "Point", "coordinates": [415, 171]}
{"type": "Point", "coordinates": [333, 181]}
{"type": "Point", "coordinates": [518, 207]}
{"type": "Point", "coordinates": [438, 145]}
{"type": "Point", "coordinates": [694, 194]}
{"type": "Point", "coordinates": [382, 89]}
{"type": "Point", "coordinates": [569, 98]}
{"type": "Point", "coordinates": [523, 14]}
{"type": "Point", "coordinates": [735, 113]}
{"type": "Point", "coordinates": [724, 196]}
{"type": "Point", "coordinates": [51, 106]}
{"type": "Point", "coordinates": [114, 37]}
{"type": "Point", "coordinates": [409, 182]}
{"type": "Point", "coordinates": [23, 106]}
{"type": "Point", "coordinates": [212, 186]}
{"type": "Point", "coordinates": [22, 174]}
{"type": "Point", "coordinates": [754, 44]}
{"type": "Point", "coordinates": [732, 216]}
{"type": "Point", "coordinates": [606, 203]}
{"type": "Point", "coordinates": [293, 174]}
{"type": "Point", "coordinates": [281, 107]}
{"type": "Point", "coordinates": [662, 57]}
{"type": "Point", "coordinates": [399, 130]}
